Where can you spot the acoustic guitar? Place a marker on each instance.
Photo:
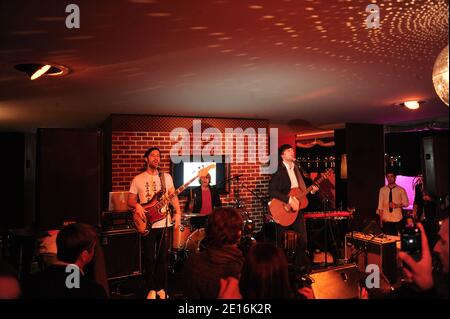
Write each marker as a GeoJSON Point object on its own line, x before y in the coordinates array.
{"type": "Point", "coordinates": [283, 213]}
{"type": "Point", "coordinates": [154, 208]}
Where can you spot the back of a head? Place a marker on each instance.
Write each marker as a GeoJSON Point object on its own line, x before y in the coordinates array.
{"type": "Point", "coordinates": [224, 227]}
{"type": "Point", "coordinates": [265, 273]}
{"type": "Point", "coordinates": [73, 239]}
{"type": "Point", "coordinates": [9, 282]}
{"type": "Point", "coordinates": [390, 171]}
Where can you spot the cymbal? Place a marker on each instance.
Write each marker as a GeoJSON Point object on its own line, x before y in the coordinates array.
{"type": "Point", "coordinates": [189, 215]}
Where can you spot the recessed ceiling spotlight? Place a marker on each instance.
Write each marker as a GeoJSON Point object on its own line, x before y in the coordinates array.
{"type": "Point", "coordinates": [37, 70]}
{"type": "Point", "coordinates": [412, 105]}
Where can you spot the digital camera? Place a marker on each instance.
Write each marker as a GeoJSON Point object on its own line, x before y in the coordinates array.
{"type": "Point", "coordinates": [411, 242]}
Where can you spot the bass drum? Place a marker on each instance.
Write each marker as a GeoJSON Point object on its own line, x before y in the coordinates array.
{"type": "Point", "coordinates": [194, 242]}
{"type": "Point", "coordinates": [180, 236]}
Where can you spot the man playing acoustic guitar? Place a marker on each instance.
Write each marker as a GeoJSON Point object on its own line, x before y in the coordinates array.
{"type": "Point", "coordinates": [146, 185]}
{"type": "Point", "coordinates": [282, 186]}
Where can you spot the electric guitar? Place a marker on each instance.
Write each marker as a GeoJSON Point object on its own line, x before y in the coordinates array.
{"type": "Point", "coordinates": [283, 213]}
{"type": "Point", "coordinates": [154, 207]}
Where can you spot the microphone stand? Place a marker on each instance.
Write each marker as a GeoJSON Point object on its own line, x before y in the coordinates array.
{"type": "Point", "coordinates": [237, 198]}
{"type": "Point", "coordinates": [230, 179]}
{"type": "Point", "coordinates": [237, 192]}
{"type": "Point", "coordinates": [262, 199]}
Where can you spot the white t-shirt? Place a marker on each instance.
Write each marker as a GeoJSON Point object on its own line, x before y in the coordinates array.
{"type": "Point", "coordinates": [145, 186]}
{"type": "Point", "coordinates": [291, 173]}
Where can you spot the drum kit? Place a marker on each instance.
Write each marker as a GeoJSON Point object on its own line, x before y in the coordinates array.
{"type": "Point", "coordinates": [189, 237]}
{"type": "Point", "coordinates": [189, 234]}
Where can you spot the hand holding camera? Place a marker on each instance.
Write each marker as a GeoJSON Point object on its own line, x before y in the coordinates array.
{"type": "Point", "coordinates": [416, 257]}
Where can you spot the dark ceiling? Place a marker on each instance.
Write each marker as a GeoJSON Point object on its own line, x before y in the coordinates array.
{"type": "Point", "coordinates": [310, 60]}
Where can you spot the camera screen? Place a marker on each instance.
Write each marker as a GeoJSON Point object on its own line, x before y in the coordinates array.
{"type": "Point", "coordinates": [411, 242]}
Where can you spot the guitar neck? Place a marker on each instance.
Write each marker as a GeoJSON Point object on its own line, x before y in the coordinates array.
{"type": "Point", "coordinates": [320, 180]}
{"type": "Point", "coordinates": [183, 187]}
{"type": "Point", "coordinates": [167, 199]}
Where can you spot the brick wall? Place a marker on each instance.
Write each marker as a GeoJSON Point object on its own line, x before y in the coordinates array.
{"type": "Point", "coordinates": [132, 135]}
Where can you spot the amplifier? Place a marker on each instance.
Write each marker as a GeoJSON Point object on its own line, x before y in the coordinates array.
{"type": "Point", "coordinates": [370, 249]}
{"type": "Point", "coordinates": [122, 250]}
{"type": "Point", "coordinates": [117, 220]}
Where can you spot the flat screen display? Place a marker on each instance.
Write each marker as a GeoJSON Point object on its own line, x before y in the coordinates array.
{"type": "Point", "coordinates": [191, 169]}
{"type": "Point", "coordinates": [184, 171]}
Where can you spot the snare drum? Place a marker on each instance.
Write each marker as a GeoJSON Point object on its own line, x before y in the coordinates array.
{"type": "Point", "coordinates": [194, 242]}
{"type": "Point", "coordinates": [180, 235]}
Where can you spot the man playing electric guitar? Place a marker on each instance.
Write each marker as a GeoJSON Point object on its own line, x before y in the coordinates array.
{"type": "Point", "coordinates": [288, 177]}
{"type": "Point", "coordinates": [145, 186]}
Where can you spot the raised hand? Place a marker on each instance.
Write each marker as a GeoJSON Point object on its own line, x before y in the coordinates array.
{"type": "Point", "coordinates": [419, 272]}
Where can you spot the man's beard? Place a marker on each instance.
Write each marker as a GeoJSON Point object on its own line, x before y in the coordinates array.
{"type": "Point", "coordinates": [152, 166]}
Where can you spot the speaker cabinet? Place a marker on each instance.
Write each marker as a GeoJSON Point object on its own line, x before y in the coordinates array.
{"type": "Point", "coordinates": [364, 146]}
{"type": "Point", "coordinates": [122, 250]}
{"type": "Point", "coordinates": [435, 164]}
{"type": "Point", "coordinates": [368, 249]}
{"type": "Point", "coordinates": [69, 174]}
{"type": "Point", "coordinates": [340, 282]}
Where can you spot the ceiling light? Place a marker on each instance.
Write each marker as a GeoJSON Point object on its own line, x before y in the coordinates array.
{"type": "Point", "coordinates": [412, 105]}
{"type": "Point", "coordinates": [37, 70]}
{"type": "Point", "coordinates": [40, 72]}
{"type": "Point", "coordinates": [440, 75]}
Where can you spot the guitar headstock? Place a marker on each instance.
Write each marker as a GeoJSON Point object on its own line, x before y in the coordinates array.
{"type": "Point", "coordinates": [204, 171]}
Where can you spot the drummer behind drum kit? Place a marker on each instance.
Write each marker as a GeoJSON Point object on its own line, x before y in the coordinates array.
{"type": "Point", "coordinates": [190, 236]}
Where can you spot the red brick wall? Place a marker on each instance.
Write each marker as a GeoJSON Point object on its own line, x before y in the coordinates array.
{"type": "Point", "coordinates": [132, 135]}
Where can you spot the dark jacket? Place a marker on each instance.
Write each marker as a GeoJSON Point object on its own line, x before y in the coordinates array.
{"type": "Point", "coordinates": [280, 183]}
{"type": "Point", "coordinates": [197, 194]}
{"type": "Point", "coordinates": [424, 206]}
{"type": "Point", "coordinates": [202, 271]}
{"type": "Point", "coordinates": [51, 284]}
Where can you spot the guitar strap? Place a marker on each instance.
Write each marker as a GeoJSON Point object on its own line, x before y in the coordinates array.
{"type": "Point", "coordinates": [163, 186]}
{"type": "Point", "coordinates": [163, 182]}
{"type": "Point", "coordinates": [301, 182]}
